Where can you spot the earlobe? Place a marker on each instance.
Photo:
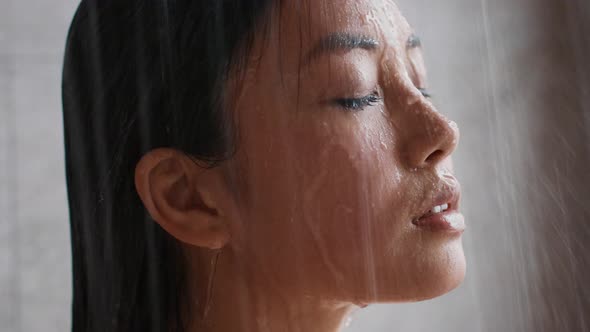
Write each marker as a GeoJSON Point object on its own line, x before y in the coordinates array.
{"type": "Point", "coordinates": [183, 198]}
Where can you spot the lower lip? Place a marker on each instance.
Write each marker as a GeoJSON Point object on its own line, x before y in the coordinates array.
{"type": "Point", "coordinates": [448, 221]}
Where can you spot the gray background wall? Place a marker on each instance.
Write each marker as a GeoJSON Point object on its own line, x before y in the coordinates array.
{"type": "Point", "coordinates": [34, 233]}
{"type": "Point", "coordinates": [511, 73]}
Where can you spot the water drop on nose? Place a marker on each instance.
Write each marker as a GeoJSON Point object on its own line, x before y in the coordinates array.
{"type": "Point", "coordinates": [348, 321]}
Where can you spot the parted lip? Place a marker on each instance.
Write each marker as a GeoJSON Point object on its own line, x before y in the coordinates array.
{"type": "Point", "coordinates": [448, 191]}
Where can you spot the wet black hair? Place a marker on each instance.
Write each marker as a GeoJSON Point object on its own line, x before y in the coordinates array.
{"type": "Point", "coordinates": [138, 75]}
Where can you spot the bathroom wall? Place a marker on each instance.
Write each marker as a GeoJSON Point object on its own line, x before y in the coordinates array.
{"type": "Point", "coordinates": [35, 274]}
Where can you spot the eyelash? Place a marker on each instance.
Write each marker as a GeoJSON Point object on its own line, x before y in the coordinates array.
{"type": "Point", "coordinates": [358, 104]}
{"type": "Point", "coordinates": [425, 93]}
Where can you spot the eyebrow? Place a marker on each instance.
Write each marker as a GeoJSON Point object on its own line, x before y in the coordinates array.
{"type": "Point", "coordinates": [349, 41]}
{"type": "Point", "coordinates": [341, 41]}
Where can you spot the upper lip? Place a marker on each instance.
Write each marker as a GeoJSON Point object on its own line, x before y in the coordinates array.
{"type": "Point", "coordinates": [447, 192]}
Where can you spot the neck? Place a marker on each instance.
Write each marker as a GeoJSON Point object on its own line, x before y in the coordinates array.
{"type": "Point", "coordinates": [241, 299]}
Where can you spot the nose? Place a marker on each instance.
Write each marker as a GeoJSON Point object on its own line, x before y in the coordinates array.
{"type": "Point", "coordinates": [430, 137]}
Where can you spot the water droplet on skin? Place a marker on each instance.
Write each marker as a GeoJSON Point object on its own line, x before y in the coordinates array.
{"type": "Point", "coordinates": [348, 321]}
{"type": "Point", "coordinates": [371, 18]}
{"type": "Point", "coordinates": [398, 176]}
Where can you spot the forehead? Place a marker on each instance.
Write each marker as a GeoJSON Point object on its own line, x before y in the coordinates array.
{"type": "Point", "coordinates": [302, 23]}
{"type": "Point", "coordinates": [292, 30]}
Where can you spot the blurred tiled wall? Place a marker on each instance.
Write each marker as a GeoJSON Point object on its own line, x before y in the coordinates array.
{"type": "Point", "coordinates": [35, 277]}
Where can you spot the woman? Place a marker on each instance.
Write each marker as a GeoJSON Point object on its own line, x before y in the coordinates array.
{"type": "Point", "coordinates": [253, 165]}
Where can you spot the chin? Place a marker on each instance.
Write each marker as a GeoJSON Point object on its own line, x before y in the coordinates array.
{"type": "Point", "coordinates": [440, 284]}
{"type": "Point", "coordinates": [441, 274]}
{"type": "Point", "coordinates": [427, 275]}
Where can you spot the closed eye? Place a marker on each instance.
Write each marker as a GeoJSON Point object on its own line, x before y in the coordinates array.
{"type": "Point", "coordinates": [358, 104]}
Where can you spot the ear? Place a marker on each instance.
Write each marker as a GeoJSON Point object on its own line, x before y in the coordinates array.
{"type": "Point", "coordinates": [187, 200]}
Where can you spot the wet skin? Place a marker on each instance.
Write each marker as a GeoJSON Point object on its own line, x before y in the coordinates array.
{"type": "Point", "coordinates": [340, 150]}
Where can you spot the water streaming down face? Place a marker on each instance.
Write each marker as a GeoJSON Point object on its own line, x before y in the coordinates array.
{"type": "Point", "coordinates": [332, 186]}
{"type": "Point", "coordinates": [334, 196]}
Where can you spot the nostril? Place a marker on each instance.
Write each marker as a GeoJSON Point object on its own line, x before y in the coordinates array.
{"type": "Point", "coordinates": [435, 156]}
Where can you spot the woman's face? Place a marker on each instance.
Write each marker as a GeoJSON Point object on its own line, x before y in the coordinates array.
{"type": "Point", "coordinates": [339, 153]}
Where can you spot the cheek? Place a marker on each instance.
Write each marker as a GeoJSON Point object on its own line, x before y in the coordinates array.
{"type": "Point", "coordinates": [347, 192]}
{"type": "Point", "coordinates": [327, 175]}
{"type": "Point", "coordinates": [346, 180]}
